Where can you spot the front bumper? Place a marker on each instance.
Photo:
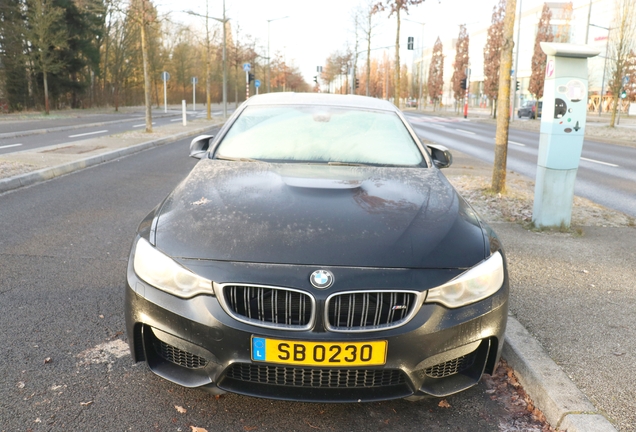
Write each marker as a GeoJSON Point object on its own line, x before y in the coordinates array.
{"type": "Point", "coordinates": [195, 343]}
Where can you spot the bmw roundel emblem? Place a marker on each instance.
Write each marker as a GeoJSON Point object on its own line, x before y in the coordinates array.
{"type": "Point", "coordinates": [321, 279]}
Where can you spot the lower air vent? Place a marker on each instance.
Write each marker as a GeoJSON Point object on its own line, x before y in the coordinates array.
{"type": "Point", "coordinates": [178, 356]}
{"type": "Point", "coordinates": [315, 378]}
{"type": "Point", "coordinates": [452, 367]}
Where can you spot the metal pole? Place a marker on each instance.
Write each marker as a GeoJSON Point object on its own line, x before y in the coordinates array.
{"type": "Point", "coordinates": [194, 95]}
{"type": "Point", "coordinates": [420, 99]}
{"type": "Point", "coordinates": [165, 95]}
{"type": "Point", "coordinates": [514, 81]}
{"type": "Point", "coordinates": [600, 105]}
{"type": "Point", "coordinates": [587, 27]}
{"type": "Point", "coordinates": [224, 63]}
{"type": "Point", "coordinates": [268, 65]}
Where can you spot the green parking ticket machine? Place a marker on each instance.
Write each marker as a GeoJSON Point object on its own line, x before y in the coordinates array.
{"type": "Point", "coordinates": [562, 132]}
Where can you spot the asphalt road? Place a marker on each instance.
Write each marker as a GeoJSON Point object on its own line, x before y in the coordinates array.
{"type": "Point", "coordinates": [82, 128]}
{"type": "Point", "coordinates": [606, 174]}
{"type": "Point", "coordinates": [64, 363]}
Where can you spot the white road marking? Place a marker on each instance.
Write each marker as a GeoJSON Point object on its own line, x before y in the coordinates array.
{"type": "Point", "coordinates": [599, 162]}
{"type": "Point", "coordinates": [10, 145]}
{"type": "Point", "coordinates": [140, 125]}
{"type": "Point", "coordinates": [516, 143]}
{"type": "Point", "coordinates": [174, 120]}
{"type": "Point", "coordinates": [465, 131]}
{"type": "Point", "coordinates": [87, 133]}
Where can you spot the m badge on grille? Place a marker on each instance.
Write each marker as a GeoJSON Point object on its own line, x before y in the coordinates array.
{"type": "Point", "coordinates": [321, 279]}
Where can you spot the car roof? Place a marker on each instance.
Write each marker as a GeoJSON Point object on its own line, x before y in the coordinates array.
{"type": "Point", "coordinates": [328, 99]}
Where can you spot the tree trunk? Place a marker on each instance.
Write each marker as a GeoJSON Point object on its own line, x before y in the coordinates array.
{"type": "Point", "coordinates": [46, 94]}
{"type": "Point", "coordinates": [503, 101]}
{"type": "Point", "coordinates": [144, 49]}
{"type": "Point", "coordinates": [397, 62]}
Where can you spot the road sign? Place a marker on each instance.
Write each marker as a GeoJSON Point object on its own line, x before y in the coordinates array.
{"type": "Point", "coordinates": [625, 79]}
{"type": "Point", "coordinates": [247, 67]}
{"type": "Point", "coordinates": [195, 80]}
{"type": "Point", "coordinates": [165, 76]}
{"type": "Point", "coordinates": [257, 83]}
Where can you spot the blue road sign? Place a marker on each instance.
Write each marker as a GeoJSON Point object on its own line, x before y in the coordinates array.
{"type": "Point", "coordinates": [257, 83]}
{"type": "Point", "coordinates": [247, 67]}
{"type": "Point", "coordinates": [165, 76]}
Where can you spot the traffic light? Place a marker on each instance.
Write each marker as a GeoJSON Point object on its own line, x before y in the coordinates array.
{"type": "Point", "coordinates": [251, 77]}
{"type": "Point", "coordinates": [410, 43]}
{"type": "Point", "coordinates": [517, 87]}
{"type": "Point", "coordinates": [316, 79]}
{"type": "Point", "coordinates": [462, 84]}
{"type": "Point", "coordinates": [357, 83]}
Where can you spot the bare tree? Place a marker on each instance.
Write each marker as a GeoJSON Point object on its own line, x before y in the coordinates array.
{"type": "Point", "coordinates": [630, 71]}
{"type": "Point", "coordinates": [395, 7]}
{"type": "Point", "coordinates": [565, 16]}
{"type": "Point", "coordinates": [364, 21]}
{"type": "Point", "coordinates": [436, 73]}
{"type": "Point", "coordinates": [48, 36]}
{"type": "Point", "coordinates": [503, 100]}
{"type": "Point", "coordinates": [492, 53]}
{"type": "Point", "coordinates": [461, 63]}
{"type": "Point", "coordinates": [539, 58]}
{"type": "Point", "coordinates": [622, 43]}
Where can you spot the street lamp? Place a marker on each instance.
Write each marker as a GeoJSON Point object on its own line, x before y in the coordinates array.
{"type": "Point", "coordinates": [609, 31]}
{"type": "Point", "coordinates": [268, 56]}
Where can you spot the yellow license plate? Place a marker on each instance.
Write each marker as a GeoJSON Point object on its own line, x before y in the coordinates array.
{"type": "Point", "coordinates": [325, 354]}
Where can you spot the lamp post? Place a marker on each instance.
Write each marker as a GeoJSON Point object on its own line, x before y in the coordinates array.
{"type": "Point", "coordinates": [268, 56]}
{"type": "Point", "coordinates": [609, 31]}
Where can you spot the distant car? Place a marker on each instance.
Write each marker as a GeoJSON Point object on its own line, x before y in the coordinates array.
{"type": "Point", "coordinates": [530, 109]}
{"type": "Point", "coordinates": [317, 253]}
{"type": "Point", "coordinates": [411, 103]}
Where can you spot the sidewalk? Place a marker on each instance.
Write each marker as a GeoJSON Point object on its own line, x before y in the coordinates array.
{"type": "Point", "coordinates": [573, 292]}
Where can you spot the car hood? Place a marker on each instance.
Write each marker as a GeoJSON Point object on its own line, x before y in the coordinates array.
{"type": "Point", "coordinates": [319, 215]}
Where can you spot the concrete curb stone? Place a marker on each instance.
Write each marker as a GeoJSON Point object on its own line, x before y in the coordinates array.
{"type": "Point", "coordinates": [563, 404]}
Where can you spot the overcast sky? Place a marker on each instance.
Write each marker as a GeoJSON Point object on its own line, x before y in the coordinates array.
{"type": "Point", "coordinates": [316, 28]}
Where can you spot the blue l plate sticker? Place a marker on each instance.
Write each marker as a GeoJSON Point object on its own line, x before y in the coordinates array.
{"type": "Point", "coordinates": [258, 348]}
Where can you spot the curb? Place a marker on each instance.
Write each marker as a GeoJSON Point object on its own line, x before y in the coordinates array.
{"type": "Point", "coordinates": [45, 174]}
{"type": "Point", "coordinates": [565, 407]}
{"type": "Point", "coordinates": [73, 127]}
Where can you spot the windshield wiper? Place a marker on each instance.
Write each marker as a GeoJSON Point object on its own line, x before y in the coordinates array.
{"type": "Point", "coordinates": [235, 159]}
{"type": "Point", "coordinates": [345, 163]}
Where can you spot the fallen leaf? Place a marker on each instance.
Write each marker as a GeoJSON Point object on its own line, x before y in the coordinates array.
{"type": "Point", "coordinates": [180, 409]}
{"type": "Point", "coordinates": [197, 429]}
{"type": "Point", "coordinates": [101, 316]}
{"type": "Point", "coordinates": [47, 360]}
{"type": "Point", "coordinates": [251, 428]}
{"type": "Point", "coordinates": [20, 385]}
{"type": "Point", "coordinates": [86, 403]}
{"type": "Point", "coordinates": [443, 404]}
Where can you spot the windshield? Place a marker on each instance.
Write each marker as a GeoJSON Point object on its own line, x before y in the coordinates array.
{"type": "Point", "coordinates": [321, 134]}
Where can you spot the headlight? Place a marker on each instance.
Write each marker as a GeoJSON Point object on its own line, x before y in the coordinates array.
{"type": "Point", "coordinates": [476, 284]}
{"type": "Point", "coordinates": [162, 272]}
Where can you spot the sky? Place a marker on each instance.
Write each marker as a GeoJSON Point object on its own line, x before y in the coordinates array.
{"type": "Point", "coordinates": [314, 29]}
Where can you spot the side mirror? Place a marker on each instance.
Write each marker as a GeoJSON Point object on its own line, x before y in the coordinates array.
{"type": "Point", "coordinates": [442, 157]}
{"type": "Point", "coordinates": [199, 146]}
